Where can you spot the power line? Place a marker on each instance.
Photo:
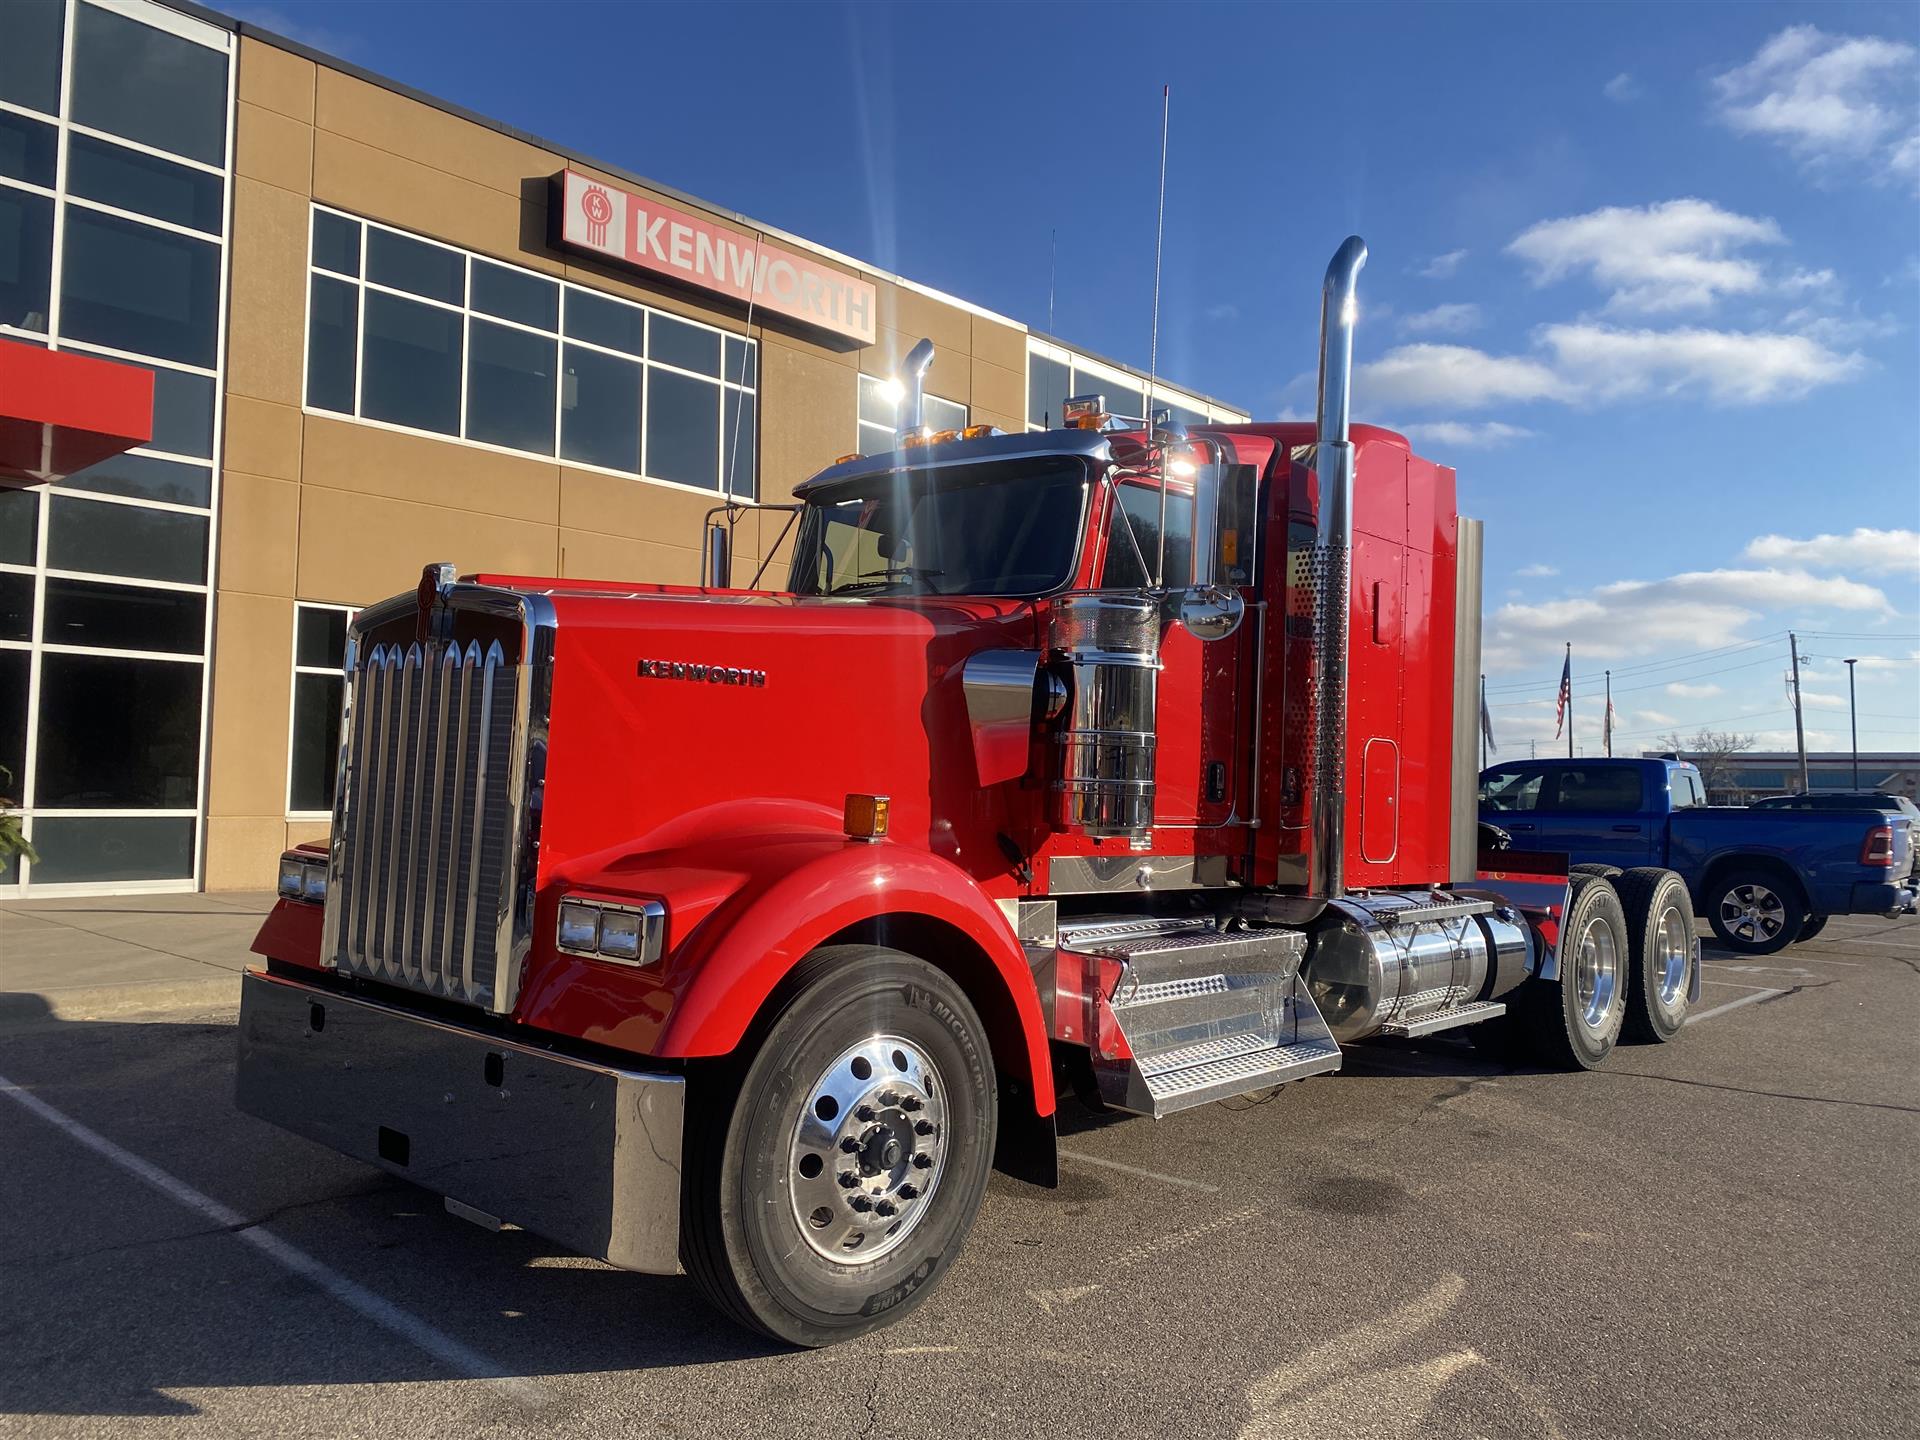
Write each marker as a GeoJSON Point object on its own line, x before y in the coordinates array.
{"type": "Point", "coordinates": [1669, 661]}
{"type": "Point", "coordinates": [1659, 684]}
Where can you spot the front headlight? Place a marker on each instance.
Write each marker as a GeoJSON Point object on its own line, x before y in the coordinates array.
{"type": "Point", "coordinates": [303, 876]}
{"type": "Point", "coordinates": [293, 872]}
{"type": "Point", "coordinates": [628, 932]}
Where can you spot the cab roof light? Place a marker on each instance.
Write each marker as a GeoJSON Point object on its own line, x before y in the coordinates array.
{"type": "Point", "coordinates": [1084, 412]}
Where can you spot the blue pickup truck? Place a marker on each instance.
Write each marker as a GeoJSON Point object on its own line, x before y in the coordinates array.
{"type": "Point", "coordinates": [1762, 878]}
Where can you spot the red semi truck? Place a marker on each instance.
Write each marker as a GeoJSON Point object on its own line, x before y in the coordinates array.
{"type": "Point", "coordinates": [744, 930]}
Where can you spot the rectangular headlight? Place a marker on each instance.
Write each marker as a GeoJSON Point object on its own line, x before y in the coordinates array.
{"type": "Point", "coordinates": [579, 927]}
{"type": "Point", "coordinates": [292, 878]}
{"type": "Point", "coordinates": [314, 882]}
{"type": "Point", "coordinates": [620, 935]}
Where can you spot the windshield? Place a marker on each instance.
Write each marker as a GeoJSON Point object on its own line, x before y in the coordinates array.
{"type": "Point", "coordinates": [1007, 527]}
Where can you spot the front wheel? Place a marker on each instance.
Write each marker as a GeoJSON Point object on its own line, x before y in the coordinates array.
{"type": "Point", "coordinates": [1752, 913]}
{"type": "Point", "coordinates": [828, 1192]}
{"type": "Point", "coordinates": [1813, 926]}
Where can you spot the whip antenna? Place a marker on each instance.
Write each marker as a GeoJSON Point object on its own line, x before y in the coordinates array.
{"type": "Point", "coordinates": [1153, 342]}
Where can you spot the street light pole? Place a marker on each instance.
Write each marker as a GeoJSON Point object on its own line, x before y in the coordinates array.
{"type": "Point", "coordinates": [1853, 722]}
{"type": "Point", "coordinates": [1799, 722]}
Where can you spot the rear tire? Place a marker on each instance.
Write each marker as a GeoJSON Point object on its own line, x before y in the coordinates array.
{"type": "Point", "coordinates": [1664, 949]}
{"type": "Point", "coordinates": [1573, 1023]}
{"type": "Point", "coordinates": [1814, 925]}
{"type": "Point", "coordinates": [874, 1071]}
{"type": "Point", "coordinates": [1589, 867]}
{"type": "Point", "coordinates": [1754, 911]}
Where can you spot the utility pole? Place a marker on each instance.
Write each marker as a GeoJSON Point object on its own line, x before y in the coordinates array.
{"type": "Point", "coordinates": [1606, 720]}
{"type": "Point", "coordinates": [1799, 720]}
{"type": "Point", "coordinates": [1568, 672]}
{"type": "Point", "coordinates": [1853, 720]}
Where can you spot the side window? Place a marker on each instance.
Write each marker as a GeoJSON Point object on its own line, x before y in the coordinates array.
{"type": "Point", "coordinates": [1608, 788]}
{"type": "Point", "coordinates": [1683, 786]}
{"type": "Point", "coordinates": [1512, 790]}
{"type": "Point", "coordinates": [1140, 504]}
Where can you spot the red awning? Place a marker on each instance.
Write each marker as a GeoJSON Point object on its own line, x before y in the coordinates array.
{"type": "Point", "coordinates": [61, 412]}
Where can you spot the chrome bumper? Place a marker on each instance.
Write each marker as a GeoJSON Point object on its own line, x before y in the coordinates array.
{"type": "Point", "coordinates": [584, 1154]}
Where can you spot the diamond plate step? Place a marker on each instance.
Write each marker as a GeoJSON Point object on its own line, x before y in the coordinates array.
{"type": "Point", "coordinates": [1446, 1019]}
{"type": "Point", "coordinates": [1236, 1073]}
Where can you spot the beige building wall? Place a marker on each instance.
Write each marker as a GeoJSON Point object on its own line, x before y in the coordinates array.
{"type": "Point", "coordinates": [318, 508]}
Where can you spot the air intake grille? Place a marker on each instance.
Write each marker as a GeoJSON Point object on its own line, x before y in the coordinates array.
{"type": "Point", "coordinates": [423, 870]}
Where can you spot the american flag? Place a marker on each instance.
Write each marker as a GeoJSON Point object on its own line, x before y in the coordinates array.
{"type": "Point", "coordinates": [1566, 695]}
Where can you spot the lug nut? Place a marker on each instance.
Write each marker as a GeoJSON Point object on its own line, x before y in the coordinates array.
{"type": "Point", "coordinates": [889, 1097]}
{"type": "Point", "coordinates": [923, 1127]}
{"type": "Point", "coordinates": [910, 1104]}
{"type": "Point", "coordinates": [861, 1203]}
{"type": "Point", "coordinates": [923, 1162]}
{"type": "Point", "coordinates": [848, 1180]}
{"type": "Point", "coordinates": [909, 1192]}
{"type": "Point", "coordinates": [865, 1112]}
{"type": "Point", "coordinates": [850, 1145]}
{"type": "Point", "coordinates": [885, 1209]}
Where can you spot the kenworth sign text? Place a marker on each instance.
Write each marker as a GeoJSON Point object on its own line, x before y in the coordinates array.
{"type": "Point", "coordinates": [706, 674]}
{"type": "Point", "coordinates": [638, 230]}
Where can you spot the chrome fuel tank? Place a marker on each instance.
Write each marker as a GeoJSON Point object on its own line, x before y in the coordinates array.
{"type": "Point", "coordinates": [1393, 959]}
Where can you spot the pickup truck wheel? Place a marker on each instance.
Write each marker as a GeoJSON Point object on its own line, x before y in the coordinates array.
{"type": "Point", "coordinates": [1815, 924]}
{"type": "Point", "coordinates": [1664, 949]}
{"type": "Point", "coordinates": [1573, 1024]}
{"type": "Point", "coordinates": [1751, 913]}
{"type": "Point", "coordinates": [840, 1182]}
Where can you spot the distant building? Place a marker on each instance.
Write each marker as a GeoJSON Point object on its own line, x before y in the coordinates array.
{"type": "Point", "coordinates": [1760, 773]}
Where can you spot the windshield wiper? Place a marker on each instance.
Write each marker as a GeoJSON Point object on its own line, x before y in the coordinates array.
{"type": "Point", "coordinates": [889, 577]}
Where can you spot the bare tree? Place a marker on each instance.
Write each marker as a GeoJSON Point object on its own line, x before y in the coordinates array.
{"type": "Point", "coordinates": [1713, 752]}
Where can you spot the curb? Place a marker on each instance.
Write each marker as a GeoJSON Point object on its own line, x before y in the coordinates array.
{"type": "Point", "coordinates": [25, 1009]}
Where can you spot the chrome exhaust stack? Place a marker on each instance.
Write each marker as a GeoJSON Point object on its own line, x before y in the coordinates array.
{"type": "Point", "coordinates": [1328, 571]}
{"type": "Point", "coordinates": [913, 376]}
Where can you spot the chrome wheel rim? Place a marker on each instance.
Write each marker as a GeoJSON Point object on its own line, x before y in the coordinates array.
{"type": "Point", "coordinates": [1753, 913]}
{"type": "Point", "coordinates": [1673, 954]}
{"type": "Point", "coordinates": [1597, 974]}
{"type": "Point", "coordinates": [868, 1151]}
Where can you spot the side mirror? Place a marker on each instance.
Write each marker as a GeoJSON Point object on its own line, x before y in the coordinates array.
{"type": "Point", "coordinates": [1209, 609]}
{"type": "Point", "coordinates": [719, 563]}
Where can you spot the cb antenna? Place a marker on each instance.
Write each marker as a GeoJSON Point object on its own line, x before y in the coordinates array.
{"type": "Point", "coordinates": [1153, 342]}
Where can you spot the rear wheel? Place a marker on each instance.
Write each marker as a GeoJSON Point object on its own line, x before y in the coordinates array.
{"type": "Point", "coordinates": [1574, 1022]}
{"type": "Point", "coordinates": [1664, 950]}
{"type": "Point", "coordinates": [827, 1193]}
{"type": "Point", "coordinates": [1589, 867]}
{"type": "Point", "coordinates": [1753, 912]}
{"type": "Point", "coordinates": [1813, 926]}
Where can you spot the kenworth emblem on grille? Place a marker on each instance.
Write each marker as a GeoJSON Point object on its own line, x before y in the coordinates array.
{"type": "Point", "coordinates": [703, 674]}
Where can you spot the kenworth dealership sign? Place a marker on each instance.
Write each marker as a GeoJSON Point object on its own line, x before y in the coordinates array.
{"type": "Point", "coordinates": [638, 230]}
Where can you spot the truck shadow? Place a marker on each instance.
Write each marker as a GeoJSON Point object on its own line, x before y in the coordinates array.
{"type": "Point", "coordinates": [122, 1299]}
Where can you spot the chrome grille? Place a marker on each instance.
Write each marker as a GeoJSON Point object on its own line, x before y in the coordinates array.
{"type": "Point", "coordinates": [422, 887]}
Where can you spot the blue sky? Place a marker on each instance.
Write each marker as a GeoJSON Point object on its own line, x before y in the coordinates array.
{"type": "Point", "coordinates": [1648, 277]}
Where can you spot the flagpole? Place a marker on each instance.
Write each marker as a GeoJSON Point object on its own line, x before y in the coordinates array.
{"type": "Point", "coordinates": [1483, 721]}
{"type": "Point", "coordinates": [1569, 673]}
{"type": "Point", "coordinates": [1606, 721]}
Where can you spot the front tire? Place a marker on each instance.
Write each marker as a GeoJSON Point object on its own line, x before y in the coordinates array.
{"type": "Point", "coordinates": [826, 1195]}
{"type": "Point", "coordinates": [1574, 1023]}
{"type": "Point", "coordinates": [1664, 952]}
{"type": "Point", "coordinates": [1753, 912]}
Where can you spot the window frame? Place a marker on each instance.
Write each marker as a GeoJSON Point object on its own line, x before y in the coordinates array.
{"type": "Point", "coordinates": [747, 489]}
{"type": "Point", "coordinates": [295, 671]}
{"type": "Point", "coordinates": [1086, 375]}
{"type": "Point", "coordinates": [888, 440]}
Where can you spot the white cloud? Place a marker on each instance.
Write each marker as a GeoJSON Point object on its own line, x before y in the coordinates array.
{"type": "Point", "coordinates": [1678, 255]}
{"type": "Point", "coordinates": [1654, 717]}
{"type": "Point", "coordinates": [1875, 551]}
{"type": "Point", "coordinates": [1537, 572]}
{"type": "Point", "coordinates": [1466, 435]}
{"type": "Point", "coordinates": [1590, 363]}
{"type": "Point", "coordinates": [1621, 89]}
{"type": "Point", "coordinates": [1688, 691]}
{"type": "Point", "coordinates": [1451, 319]}
{"type": "Point", "coordinates": [1828, 99]}
{"type": "Point", "coordinates": [1442, 266]}
{"type": "Point", "coordinates": [1226, 310]}
{"type": "Point", "coordinates": [1814, 700]}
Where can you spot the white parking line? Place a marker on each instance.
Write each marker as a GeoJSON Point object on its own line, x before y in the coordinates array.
{"type": "Point", "coordinates": [385, 1314]}
{"type": "Point", "coordinates": [1075, 1155]}
{"type": "Point", "coordinates": [1882, 944]}
{"type": "Point", "coordinates": [1732, 1005]}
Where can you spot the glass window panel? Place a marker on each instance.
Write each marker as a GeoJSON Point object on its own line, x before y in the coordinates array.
{"type": "Point", "coordinates": [182, 409]}
{"type": "Point", "coordinates": [137, 288]}
{"type": "Point", "coordinates": [415, 266]}
{"type": "Point", "coordinates": [130, 540]}
{"type": "Point", "coordinates": [117, 733]}
{"type": "Point", "coordinates": [683, 429]}
{"type": "Point", "coordinates": [600, 321]}
{"type": "Point", "coordinates": [30, 48]}
{"type": "Point", "coordinates": [1189, 418]}
{"type": "Point", "coordinates": [737, 444]}
{"type": "Point", "coordinates": [516, 295]}
{"type": "Point", "coordinates": [19, 526]}
{"type": "Point", "coordinates": [412, 359]}
{"type": "Point", "coordinates": [128, 180]}
{"type": "Point", "coordinates": [1142, 506]}
{"type": "Point", "coordinates": [333, 331]}
{"type": "Point", "coordinates": [938, 414]}
{"type": "Point", "coordinates": [510, 388]}
{"type": "Point", "coordinates": [13, 725]}
{"type": "Point", "coordinates": [317, 701]}
{"type": "Point", "coordinates": [690, 347]}
{"type": "Point", "coordinates": [160, 89]}
{"type": "Point", "coordinates": [26, 147]}
{"type": "Point", "coordinates": [124, 617]}
{"type": "Point", "coordinates": [336, 242]}
{"type": "Point", "coordinates": [1047, 382]}
{"type": "Point", "coordinates": [600, 410]}
{"type": "Point", "coordinates": [26, 259]}
{"type": "Point", "coordinates": [743, 362]}
{"type": "Point", "coordinates": [1121, 399]}
{"type": "Point", "coordinates": [320, 637]}
{"type": "Point", "coordinates": [146, 477]}
{"type": "Point", "coordinates": [875, 438]}
{"type": "Point", "coordinates": [16, 605]}
{"type": "Point", "coordinates": [76, 849]}
{"type": "Point", "coordinates": [877, 405]}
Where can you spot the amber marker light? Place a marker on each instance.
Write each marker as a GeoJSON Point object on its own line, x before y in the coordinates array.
{"type": "Point", "coordinates": [866, 817]}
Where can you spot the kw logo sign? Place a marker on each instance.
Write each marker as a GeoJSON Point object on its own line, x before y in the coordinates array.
{"type": "Point", "coordinates": [702, 674]}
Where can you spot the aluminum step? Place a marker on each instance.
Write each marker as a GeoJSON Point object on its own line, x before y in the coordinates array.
{"type": "Point", "coordinates": [1446, 1019]}
{"type": "Point", "coordinates": [1236, 1072]}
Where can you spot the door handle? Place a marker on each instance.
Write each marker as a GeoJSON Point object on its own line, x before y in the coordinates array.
{"type": "Point", "coordinates": [1627, 829]}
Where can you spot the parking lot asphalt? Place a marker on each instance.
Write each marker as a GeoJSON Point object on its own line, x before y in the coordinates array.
{"type": "Point", "coordinates": [1715, 1237]}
